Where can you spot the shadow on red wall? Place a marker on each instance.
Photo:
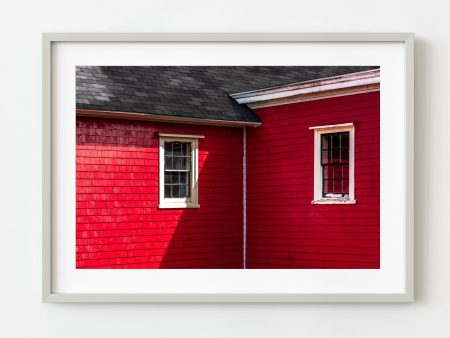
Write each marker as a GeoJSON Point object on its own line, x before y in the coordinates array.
{"type": "Point", "coordinates": [119, 224]}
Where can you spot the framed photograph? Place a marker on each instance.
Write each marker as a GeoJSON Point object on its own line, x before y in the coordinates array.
{"type": "Point", "coordinates": [228, 167]}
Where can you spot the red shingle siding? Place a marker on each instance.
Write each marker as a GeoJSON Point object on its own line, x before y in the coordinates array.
{"type": "Point", "coordinates": [283, 229]}
{"type": "Point", "coordinates": [119, 224]}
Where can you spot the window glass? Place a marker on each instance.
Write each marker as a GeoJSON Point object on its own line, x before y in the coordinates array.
{"type": "Point", "coordinates": [335, 164]}
{"type": "Point", "coordinates": [177, 169]}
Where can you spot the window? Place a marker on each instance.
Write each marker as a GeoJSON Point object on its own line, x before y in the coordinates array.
{"type": "Point", "coordinates": [334, 164]}
{"type": "Point", "coordinates": [178, 171]}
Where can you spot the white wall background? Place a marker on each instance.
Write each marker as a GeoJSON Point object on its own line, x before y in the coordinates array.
{"type": "Point", "coordinates": [21, 312]}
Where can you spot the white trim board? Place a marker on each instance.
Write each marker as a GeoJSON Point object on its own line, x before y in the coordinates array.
{"type": "Point", "coordinates": [348, 84]}
{"type": "Point", "coordinates": [333, 126]}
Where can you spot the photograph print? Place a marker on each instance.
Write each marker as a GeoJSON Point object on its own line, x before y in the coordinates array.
{"type": "Point", "coordinates": [227, 167]}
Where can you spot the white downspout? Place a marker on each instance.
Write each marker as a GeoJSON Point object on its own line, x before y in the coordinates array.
{"type": "Point", "coordinates": [244, 196]}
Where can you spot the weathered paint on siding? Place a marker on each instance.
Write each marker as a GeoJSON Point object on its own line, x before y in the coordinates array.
{"type": "Point", "coordinates": [283, 229]}
{"type": "Point", "coordinates": [119, 224]}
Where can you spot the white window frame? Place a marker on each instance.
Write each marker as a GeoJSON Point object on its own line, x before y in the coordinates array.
{"type": "Point", "coordinates": [179, 203]}
{"type": "Point", "coordinates": [318, 179]}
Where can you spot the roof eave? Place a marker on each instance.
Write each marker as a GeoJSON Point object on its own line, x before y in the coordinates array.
{"type": "Point", "coordinates": [163, 118]}
{"type": "Point", "coordinates": [340, 85]}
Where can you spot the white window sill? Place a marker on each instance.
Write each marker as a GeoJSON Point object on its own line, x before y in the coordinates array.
{"type": "Point", "coordinates": [178, 205]}
{"type": "Point", "coordinates": [333, 201]}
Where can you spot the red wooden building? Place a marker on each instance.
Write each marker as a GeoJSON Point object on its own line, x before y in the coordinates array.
{"type": "Point", "coordinates": [228, 167]}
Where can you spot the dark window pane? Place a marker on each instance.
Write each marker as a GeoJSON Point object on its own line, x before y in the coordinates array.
{"type": "Point", "coordinates": [188, 184]}
{"type": "Point", "coordinates": [325, 156]}
{"type": "Point", "coordinates": [168, 148]}
{"type": "Point", "coordinates": [345, 140]}
{"type": "Point", "coordinates": [345, 155]}
{"type": "Point", "coordinates": [334, 141]}
{"type": "Point", "coordinates": [335, 180]}
{"type": "Point", "coordinates": [328, 187]}
{"type": "Point", "coordinates": [177, 146]}
{"type": "Point", "coordinates": [173, 178]}
{"type": "Point", "coordinates": [183, 190]}
{"type": "Point", "coordinates": [168, 162]}
{"type": "Point", "coordinates": [177, 163]}
{"type": "Point", "coordinates": [337, 186]}
{"type": "Point", "coordinates": [167, 177]}
{"type": "Point", "coordinates": [324, 187]}
{"type": "Point", "coordinates": [188, 163]}
{"type": "Point", "coordinates": [335, 155]}
{"type": "Point", "coordinates": [167, 191]}
{"type": "Point", "coordinates": [182, 149]}
{"type": "Point", "coordinates": [335, 163]}
{"type": "Point", "coordinates": [183, 163]}
{"type": "Point", "coordinates": [175, 191]}
{"type": "Point", "coordinates": [183, 177]}
{"type": "Point", "coordinates": [325, 141]}
{"type": "Point", "coordinates": [327, 172]}
{"type": "Point", "coordinates": [337, 172]}
{"type": "Point", "coordinates": [185, 149]}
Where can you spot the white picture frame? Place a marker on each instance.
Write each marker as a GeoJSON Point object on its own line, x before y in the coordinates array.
{"type": "Point", "coordinates": [50, 294]}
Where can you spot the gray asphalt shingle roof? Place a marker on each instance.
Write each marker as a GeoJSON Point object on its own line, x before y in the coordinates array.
{"type": "Point", "coordinates": [187, 91]}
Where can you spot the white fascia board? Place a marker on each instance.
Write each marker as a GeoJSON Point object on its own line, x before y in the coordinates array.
{"type": "Point", "coordinates": [308, 87]}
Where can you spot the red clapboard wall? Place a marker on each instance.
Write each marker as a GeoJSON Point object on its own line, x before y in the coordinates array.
{"type": "Point", "coordinates": [284, 230]}
{"type": "Point", "coordinates": [119, 224]}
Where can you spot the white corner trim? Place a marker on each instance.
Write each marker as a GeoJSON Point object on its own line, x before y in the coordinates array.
{"type": "Point", "coordinates": [180, 136]}
{"type": "Point", "coordinates": [318, 198]}
{"type": "Point", "coordinates": [363, 81]}
{"type": "Point", "coordinates": [179, 203]}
